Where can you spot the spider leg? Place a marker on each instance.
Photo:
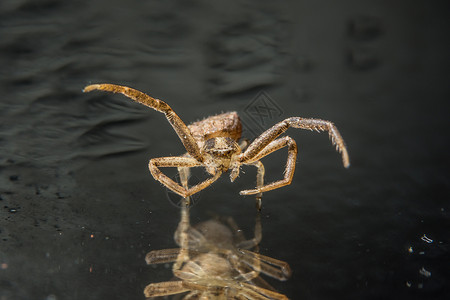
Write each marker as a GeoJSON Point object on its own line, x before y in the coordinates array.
{"type": "Point", "coordinates": [162, 256]}
{"type": "Point", "coordinates": [182, 232]}
{"type": "Point", "coordinates": [193, 295]}
{"type": "Point", "coordinates": [202, 289]}
{"type": "Point", "coordinates": [258, 281]}
{"type": "Point", "coordinates": [272, 133]}
{"type": "Point", "coordinates": [244, 143]}
{"type": "Point", "coordinates": [256, 292]}
{"type": "Point", "coordinates": [243, 258]}
{"type": "Point", "coordinates": [179, 256]}
{"type": "Point", "coordinates": [290, 165]}
{"type": "Point", "coordinates": [253, 262]}
{"type": "Point", "coordinates": [178, 161]}
{"type": "Point", "coordinates": [270, 266]}
{"type": "Point", "coordinates": [164, 288]}
{"type": "Point", "coordinates": [259, 182]}
{"type": "Point", "coordinates": [248, 276]}
{"type": "Point", "coordinates": [186, 236]}
{"type": "Point", "coordinates": [253, 242]}
{"type": "Point", "coordinates": [178, 125]}
{"type": "Point", "coordinates": [194, 273]}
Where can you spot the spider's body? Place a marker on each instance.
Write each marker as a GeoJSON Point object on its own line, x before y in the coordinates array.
{"type": "Point", "coordinates": [224, 125]}
{"type": "Point", "coordinates": [217, 137]}
{"type": "Point", "coordinates": [213, 144]}
{"type": "Point", "coordinates": [221, 154]}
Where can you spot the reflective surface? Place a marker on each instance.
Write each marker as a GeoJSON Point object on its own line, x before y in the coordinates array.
{"type": "Point", "coordinates": [79, 209]}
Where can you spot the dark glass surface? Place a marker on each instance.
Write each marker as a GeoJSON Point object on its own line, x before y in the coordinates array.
{"type": "Point", "coordinates": [79, 209]}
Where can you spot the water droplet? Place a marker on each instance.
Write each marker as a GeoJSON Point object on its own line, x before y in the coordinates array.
{"type": "Point", "coordinates": [424, 272]}
{"type": "Point", "coordinates": [426, 239]}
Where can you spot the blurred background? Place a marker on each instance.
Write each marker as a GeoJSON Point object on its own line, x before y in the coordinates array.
{"type": "Point", "coordinates": [79, 209]}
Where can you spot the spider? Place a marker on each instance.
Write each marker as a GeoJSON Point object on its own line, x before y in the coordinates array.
{"type": "Point", "coordinates": [214, 263]}
{"type": "Point", "coordinates": [213, 144]}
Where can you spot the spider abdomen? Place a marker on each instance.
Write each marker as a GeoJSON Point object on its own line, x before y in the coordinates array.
{"type": "Point", "coordinates": [223, 125]}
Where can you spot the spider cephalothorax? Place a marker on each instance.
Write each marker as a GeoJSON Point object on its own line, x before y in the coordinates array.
{"type": "Point", "coordinates": [213, 144]}
{"type": "Point", "coordinates": [221, 153]}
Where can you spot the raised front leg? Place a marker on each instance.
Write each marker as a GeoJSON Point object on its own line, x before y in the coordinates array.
{"type": "Point", "coordinates": [290, 165]}
{"type": "Point", "coordinates": [178, 161]}
{"type": "Point", "coordinates": [272, 133]}
{"type": "Point", "coordinates": [178, 125]}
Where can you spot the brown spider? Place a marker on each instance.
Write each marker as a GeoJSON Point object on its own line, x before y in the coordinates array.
{"type": "Point", "coordinates": [212, 143]}
{"type": "Point", "coordinates": [211, 270]}
{"type": "Point", "coordinates": [214, 263]}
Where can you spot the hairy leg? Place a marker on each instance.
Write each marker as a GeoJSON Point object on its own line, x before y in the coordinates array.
{"type": "Point", "coordinates": [272, 133]}
{"type": "Point", "coordinates": [259, 182]}
{"type": "Point", "coordinates": [290, 165]}
{"type": "Point", "coordinates": [181, 234]}
{"type": "Point", "coordinates": [178, 125]}
{"type": "Point", "coordinates": [182, 231]}
{"type": "Point", "coordinates": [162, 256]}
{"type": "Point", "coordinates": [178, 161]}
